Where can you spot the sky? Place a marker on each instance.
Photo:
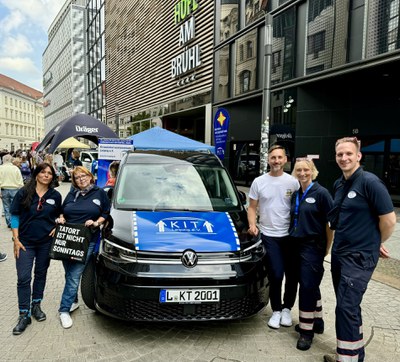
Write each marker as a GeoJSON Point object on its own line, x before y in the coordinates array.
{"type": "Point", "coordinates": [23, 38]}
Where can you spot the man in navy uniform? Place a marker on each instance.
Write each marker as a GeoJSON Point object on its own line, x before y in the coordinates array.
{"type": "Point", "coordinates": [363, 218]}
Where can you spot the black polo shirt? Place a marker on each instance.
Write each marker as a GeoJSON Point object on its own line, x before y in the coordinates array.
{"type": "Point", "coordinates": [312, 213]}
{"type": "Point", "coordinates": [358, 224]}
{"type": "Point", "coordinates": [36, 224]}
{"type": "Point", "coordinates": [90, 206]}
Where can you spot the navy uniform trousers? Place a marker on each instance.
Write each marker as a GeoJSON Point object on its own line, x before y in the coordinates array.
{"type": "Point", "coordinates": [311, 257]}
{"type": "Point", "coordinates": [281, 260]}
{"type": "Point", "coordinates": [351, 274]}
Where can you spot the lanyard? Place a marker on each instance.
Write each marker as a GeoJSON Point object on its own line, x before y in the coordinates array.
{"type": "Point", "coordinates": [297, 206]}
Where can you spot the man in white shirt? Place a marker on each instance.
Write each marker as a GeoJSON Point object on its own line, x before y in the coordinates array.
{"type": "Point", "coordinates": [10, 182]}
{"type": "Point", "coordinates": [271, 193]}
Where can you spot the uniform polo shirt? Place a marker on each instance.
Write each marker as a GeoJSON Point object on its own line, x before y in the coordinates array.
{"type": "Point", "coordinates": [35, 225]}
{"type": "Point", "coordinates": [358, 225]}
{"type": "Point", "coordinates": [312, 213]}
{"type": "Point", "coordinates": [86, 207]}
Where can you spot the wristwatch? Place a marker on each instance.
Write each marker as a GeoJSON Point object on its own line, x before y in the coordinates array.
{"type": "Point", "coordinates": [14, 238]}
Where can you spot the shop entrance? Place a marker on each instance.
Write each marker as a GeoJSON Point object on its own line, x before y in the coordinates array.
{"type": "Point", "coordinates": [381, 156]}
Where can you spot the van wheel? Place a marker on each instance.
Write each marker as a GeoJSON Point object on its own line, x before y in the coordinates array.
{"type": "Point", "coordinates": [88, 284]}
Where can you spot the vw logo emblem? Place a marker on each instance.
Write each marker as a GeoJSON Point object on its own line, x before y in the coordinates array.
{"type": "Point", "coordinates": [189, 258]}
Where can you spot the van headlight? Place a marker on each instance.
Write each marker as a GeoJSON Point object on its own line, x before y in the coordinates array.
{"type": "Point", "coordinates": [247, 253]}
{"type": "Point", "coordinates": [115, 251]}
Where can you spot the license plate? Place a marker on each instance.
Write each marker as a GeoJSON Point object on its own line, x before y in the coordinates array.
{"type": "Point", "coordinates": [189, 295]}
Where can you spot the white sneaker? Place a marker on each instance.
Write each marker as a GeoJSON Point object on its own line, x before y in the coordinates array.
{"type": "Point", "coordinates": [74, 306]}
{"type": "Point", "coordinates": [286, 318]}
{"type": "Point", "coordinates": [66, 320]}
{"type": "Point", "coordinates": [275, 320]}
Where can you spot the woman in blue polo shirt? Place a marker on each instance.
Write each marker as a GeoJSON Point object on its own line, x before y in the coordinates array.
{"type": "Point", "coordinates": [312, 239]}
{"type": "Point", "coordinates": [33, 211]}
{"type": "Point", "coordinates": [85, 204]}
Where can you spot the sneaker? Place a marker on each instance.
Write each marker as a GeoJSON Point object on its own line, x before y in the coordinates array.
{"type": "Point", "coordinates": [317, 328]}
{"type": "Point", "coordinates": [286, 318]}
{"type": "Point", "coordinates": [66, 320]}
{"type": "Point", "coordinates": [3, 256]}
{"type": "Point", "coordinates": [37, 312]}
{"type": "Point", "coordinates": [74, 306]}
{"type": "Point", "coordinates": [304, 343]}
{"type": "Point", "coordinates": [274, 321]}
{"type": "Point", "coordinates": [330, 358]}
{"type": "Point", "coordinates": [23, 321]}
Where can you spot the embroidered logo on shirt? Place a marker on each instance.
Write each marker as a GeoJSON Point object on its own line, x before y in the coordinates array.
{"type": "Point", "coordinates": [351, 195]}
{"type": "Point", "coordinates": [289, 192]}
{"type": "Point", "coordinates": [97, 202]}
{"type": "Point", "coordinates": [51, 201]}
{"type": "Point", "coordinates": [310, 200]}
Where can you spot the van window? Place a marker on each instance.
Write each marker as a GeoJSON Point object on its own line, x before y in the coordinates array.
{"type": "Point", "coordinates": [175, 187]}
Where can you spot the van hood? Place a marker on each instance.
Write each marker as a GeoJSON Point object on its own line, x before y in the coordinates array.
{"type": "Point", "coordinates": [177, 231]}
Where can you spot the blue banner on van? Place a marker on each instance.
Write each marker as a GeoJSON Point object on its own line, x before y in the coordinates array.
{"type": "Point", "coordinates": [178, 231]}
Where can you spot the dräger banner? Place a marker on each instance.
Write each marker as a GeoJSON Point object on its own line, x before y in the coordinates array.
{"type": "Point", "coordinates": [177, 231]}
{"type": "Point", "coordinates": [70, 242]}
{"type": "Point", "coordinates": [221, 126]}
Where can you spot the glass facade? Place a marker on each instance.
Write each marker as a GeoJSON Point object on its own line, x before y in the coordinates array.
{"type": "Point", "coordinates": [229, 19]}
{"type": "Point", "coordinates": [96, 56]}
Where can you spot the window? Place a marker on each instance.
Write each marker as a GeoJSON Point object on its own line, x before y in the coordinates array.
{"type": "Point", "coordinates": [229, 19]}
{"type": "Point", "coordinates": [245, 81]}
{"type": "Point", "coordinates": [276, 61]}
{"type": "Point", "coordinates": [316, 43]}
{"type": "Point", "coordinates": [249, 49]}
{"type": "Point", "coordinates": [241, 53]}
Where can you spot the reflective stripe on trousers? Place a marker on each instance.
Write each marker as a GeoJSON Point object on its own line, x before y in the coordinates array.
{"type": "Point", "coordinates": [350, 274]}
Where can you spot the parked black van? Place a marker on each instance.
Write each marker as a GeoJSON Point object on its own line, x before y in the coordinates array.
{"type": "Point", "coordinates": [176, 246]}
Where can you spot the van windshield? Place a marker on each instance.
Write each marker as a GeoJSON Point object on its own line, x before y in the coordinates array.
{"type": "Point", "coordinates": [175, 187]}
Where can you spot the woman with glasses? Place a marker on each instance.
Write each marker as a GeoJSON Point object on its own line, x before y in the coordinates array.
{"type": "Point", "coordinates": [33, 212]}
{"type": "Point", "coordinates": [85, 204]}
{"type": "Point", "coordinates": [312, 239]}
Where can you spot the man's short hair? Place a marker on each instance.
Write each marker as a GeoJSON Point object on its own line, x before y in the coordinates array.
{"type": "Point", "coordinates": [353, 140]}
{"type": "Point", "coordinates": [277, 147]}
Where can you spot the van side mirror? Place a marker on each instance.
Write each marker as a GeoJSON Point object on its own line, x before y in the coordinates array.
{"type": "Point", "coordinates": [109, 191]}
{"type": "Point", "coordinates": [242, 197]}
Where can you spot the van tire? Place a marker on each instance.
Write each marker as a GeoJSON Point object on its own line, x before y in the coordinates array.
{"type": "Point", "coordinates": [88, 290]}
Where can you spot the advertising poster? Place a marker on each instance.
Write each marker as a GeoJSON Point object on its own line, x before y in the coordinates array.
{"type": "Point", "coordinates": [110, 149]}
{"type": "Point", "coordinates": [221, 126]}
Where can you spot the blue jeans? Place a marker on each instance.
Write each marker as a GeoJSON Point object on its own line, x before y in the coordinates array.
{"type": "Point", "coordinates": [40, 255]}
{"type": "Point", "coordinates": [7, 196]}
{"type": "Point", "coordinates": [73, 272]}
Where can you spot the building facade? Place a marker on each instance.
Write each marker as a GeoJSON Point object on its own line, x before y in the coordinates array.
{"type": "Point", "coordinates": [96, 74]}
{"type": "Point", "coordinates": [65, 65]}
{"type": "Point", "coordinates": [334, 69]}
{"type": "Point", "coordinates": [21, 115]}
{"type": "Point", "coordinates": [159, 66]}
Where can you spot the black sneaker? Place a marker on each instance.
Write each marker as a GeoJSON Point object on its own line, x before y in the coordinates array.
{"type": "Point", "coordinates": [3, 256]}
{"type": "Point", "coordinates": [317, 328]}
{"type": "Point", "coordinates": [37, 312]}
{"type": "Point", "coordinates": [304, 343]}
{"type": "Point", "coordinates": [23, 321]}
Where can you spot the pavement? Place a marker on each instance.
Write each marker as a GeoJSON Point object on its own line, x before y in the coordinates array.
{"type": "Point", "coordinates": [95, 337]}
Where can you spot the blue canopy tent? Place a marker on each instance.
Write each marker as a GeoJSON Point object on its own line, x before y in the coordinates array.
{"type": "Point", "coordinates": [380, 146]}
{"type": "Point", "coordinates": [158, 138]}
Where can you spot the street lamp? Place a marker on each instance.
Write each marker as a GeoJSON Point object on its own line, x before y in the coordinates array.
{"type": "Point", "coordinates": [117, 119]}
{"type": "Point", "coordinates": [266, 94]}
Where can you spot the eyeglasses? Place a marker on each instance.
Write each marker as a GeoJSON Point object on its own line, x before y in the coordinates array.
{"type": "Point", "coordinates": [40, 204]}
{"type": "Point", "coordinates": [80, 177]}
